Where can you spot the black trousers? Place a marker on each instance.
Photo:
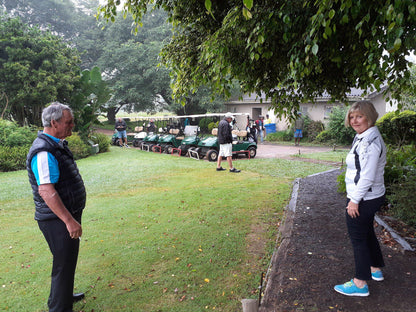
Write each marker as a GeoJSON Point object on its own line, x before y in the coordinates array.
{"type": "Point", "coordinates": [65, 255]}
{"type": "Point", "coordinates": [364, 241]}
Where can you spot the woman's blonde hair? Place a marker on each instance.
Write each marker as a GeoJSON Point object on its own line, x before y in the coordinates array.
{"type": "Point", "coordinates": [364, 107]}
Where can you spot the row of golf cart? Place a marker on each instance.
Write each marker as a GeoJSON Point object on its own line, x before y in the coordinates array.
{"type": "Point", "coordinates": [182, 135]}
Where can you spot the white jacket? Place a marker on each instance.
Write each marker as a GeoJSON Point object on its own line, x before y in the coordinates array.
{"type": "Point", "coordinates": [364, 177]}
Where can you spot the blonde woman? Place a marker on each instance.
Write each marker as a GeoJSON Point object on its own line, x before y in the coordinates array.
{"type": "Point", "coordinates": [364, 180]}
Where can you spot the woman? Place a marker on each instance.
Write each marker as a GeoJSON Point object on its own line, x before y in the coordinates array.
{"type": "Point", "coordinates": [364, 180]}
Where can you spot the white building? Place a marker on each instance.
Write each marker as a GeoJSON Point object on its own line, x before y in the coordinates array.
{"type": "Point", "coordinates": [318, 111]}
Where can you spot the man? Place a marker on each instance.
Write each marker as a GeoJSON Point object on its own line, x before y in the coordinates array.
{"type": "Point", "coordinates": [260, 128]}
{"type": "Point", "coordinates": [298, 129]}
{"type": "Point", "coordinates": [121, 127]}
{"type": "Point", "coordinates": [225, 140]}
{"type": "Point", "coordinates": [59, 196]}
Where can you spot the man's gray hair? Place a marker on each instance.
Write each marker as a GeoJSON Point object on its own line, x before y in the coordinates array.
{"type": "Point", "coordinates": [54, 112]}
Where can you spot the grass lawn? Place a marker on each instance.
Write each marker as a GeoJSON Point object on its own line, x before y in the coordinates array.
{"type": "Point", "coordinates": [338, 155]}
{"type": "Point", "coordinates": [161, 233]}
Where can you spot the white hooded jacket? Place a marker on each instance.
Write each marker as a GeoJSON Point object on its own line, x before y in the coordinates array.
{"type": "Point", "coordinates": [364, 177]}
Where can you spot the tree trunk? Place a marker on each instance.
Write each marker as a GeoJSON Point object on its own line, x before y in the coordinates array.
{"type": "Point", "coordinates": [111, 115]}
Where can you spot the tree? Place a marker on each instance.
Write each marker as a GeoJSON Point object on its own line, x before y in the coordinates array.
{"type": "Point", "coordinates": [36, 68]}
{"type": "Point", "coordinates": [90, 94]}
{"type": "Point", "coordinates": [64, 17]}
{"type": "Point", "coordinates": [130, 65]}
{"type": "Point", "coordinates": [292, 51]}
{"type": "Point", "coordinates": [409, 95]}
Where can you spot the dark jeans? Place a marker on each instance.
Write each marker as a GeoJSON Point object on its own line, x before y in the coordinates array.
{"type": "Point", "coordinates": [364, 241]}
{"type": "Point", "coordinates": [65, 255]}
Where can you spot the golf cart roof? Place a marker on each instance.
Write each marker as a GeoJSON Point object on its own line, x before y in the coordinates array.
{"type": "Point", "coordinates": [184, 116]}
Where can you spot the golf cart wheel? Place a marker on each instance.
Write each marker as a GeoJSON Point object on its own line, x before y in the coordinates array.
{"type": "Point", "coordinates": [212, 155]}
{"type": "Point", "coordinates": [136, 143]}
{"type": "Point", "coordinates": [253, 152]}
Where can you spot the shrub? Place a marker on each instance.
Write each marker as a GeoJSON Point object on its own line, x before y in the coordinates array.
{"type": "Point", "coordinates": [285, 135]}
{"type": "Point", "coordinates": [204, 123]}
{"type": "Point", "coordinates": [313, 129]}
{"type": "Point", "coordinates": [212, 125]}
{"type": "Point", "coordinates": [13, 135]}
{"type": "Point", "coordinates": [403, 199]}
{"type": "Point", "coordinates": [102, 140]}
{"type": "Point", "coordinates": [325, 137]}
{"type": "Point", "coordinates": [342, 188]}
{"type": "Point", "coordinates": [336, 126]}
{"type": "Point", "coordinates": [78, 147]}
{"type": "Point", "coordinates": [13, 158]}
{"type": "Point", "coordinates": [398, 129]}
{"type": "Point", "coordinates": [400, 164]}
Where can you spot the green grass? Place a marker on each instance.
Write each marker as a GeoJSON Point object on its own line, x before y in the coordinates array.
{"type": "Point", "coordinates": [333, 156]}
{"type": "Point", "coordinates": [160, 233]}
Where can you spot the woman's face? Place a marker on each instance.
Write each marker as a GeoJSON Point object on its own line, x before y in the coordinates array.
{"type": "Point", "coordinates": [358, 121]}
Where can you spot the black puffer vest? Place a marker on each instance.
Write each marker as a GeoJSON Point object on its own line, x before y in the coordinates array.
{"type": "Point", "coordinates": [70, 186]}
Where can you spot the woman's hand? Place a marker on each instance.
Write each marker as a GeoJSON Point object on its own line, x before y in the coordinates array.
{"type": "Point", "coordinates": [352, 210]}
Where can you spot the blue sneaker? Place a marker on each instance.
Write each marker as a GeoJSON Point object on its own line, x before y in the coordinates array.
{"type": "Point", "coordinates": [350, 289]}
{"type": "Point", "coordinates": [377, 276]}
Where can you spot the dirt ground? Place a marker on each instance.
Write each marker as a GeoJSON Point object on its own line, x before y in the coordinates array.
{"type": "Point", "coordinates": [315, 254]}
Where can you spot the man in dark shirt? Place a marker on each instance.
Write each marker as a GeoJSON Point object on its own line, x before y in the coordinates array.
{"type": "Point", "coordinates": [121, 127]}
{"type": "Point", "coordinates": [225, 140]}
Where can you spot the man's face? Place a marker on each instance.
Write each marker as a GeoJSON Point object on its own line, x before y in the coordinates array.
{"type": "Point", "coordinates": [63, 128]}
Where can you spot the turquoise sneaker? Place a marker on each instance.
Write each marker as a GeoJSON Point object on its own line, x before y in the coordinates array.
{"type": "Point", "coordinates": [350, 289]}
{"type": "Point", "coordinates": [377, 276]}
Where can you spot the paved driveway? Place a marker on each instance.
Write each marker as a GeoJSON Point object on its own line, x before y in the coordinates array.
{"type": "Point", "coordinates": [269, 150]}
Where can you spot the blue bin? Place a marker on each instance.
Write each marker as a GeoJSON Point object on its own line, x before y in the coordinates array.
{"type": "Point", "coordinates": [270, 128]}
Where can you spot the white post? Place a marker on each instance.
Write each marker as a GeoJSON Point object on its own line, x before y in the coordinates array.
{"type": "Point", "coordinates": [250, 305]}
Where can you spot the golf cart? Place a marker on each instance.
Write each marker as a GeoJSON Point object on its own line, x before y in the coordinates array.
{"type": "Point", "coordinates": [139, 136]}
{"type": "Point", "coordinates": [191, 139]}
{"type": "Point", "coordinates": [168, 142]}
{"type": "Point", "coordinates": [116, 141]}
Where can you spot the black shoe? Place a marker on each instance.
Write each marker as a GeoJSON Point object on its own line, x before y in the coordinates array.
{"type": "Point", "coordinates": [78, 297]}
{"type": "Point", "coordinates": [235, 170]}
{"type": "Point", "coordinates": [220, 169]}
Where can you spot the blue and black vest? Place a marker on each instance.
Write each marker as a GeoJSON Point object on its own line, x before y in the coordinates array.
{"type": "Point", "coordinates": [70, 185]}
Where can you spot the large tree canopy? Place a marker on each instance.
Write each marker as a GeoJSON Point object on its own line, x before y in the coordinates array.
{"type": "Point", "coordinates": [36, 68]}
{"type": "Point", "coordinates": [290, 50]}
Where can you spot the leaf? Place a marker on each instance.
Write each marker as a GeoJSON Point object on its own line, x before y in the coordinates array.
{"type": "Point", "coordinates": [315, 49]}
{"type": "Point", "coordinates": [248, 4]}
{"type": "Point", "coordinates": [247, 14]}
{"type": "Point", "coordinates": [208, 5]}
{"type": "Point", "coordinates": [286, 19]}
{"type": "Point", "coordinates": [331, 14]}
{"type": "Point", "coordinates": [397, 43]}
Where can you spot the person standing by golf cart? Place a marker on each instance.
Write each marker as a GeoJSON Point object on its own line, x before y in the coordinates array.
{"type": "Point", "coordinates": [225, 140]}
{"type": "Point", "coordinates": [121, 127]}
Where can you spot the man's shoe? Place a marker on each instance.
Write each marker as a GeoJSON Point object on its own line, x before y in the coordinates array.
{"type": "Point", "coordinates": [377, 276]}
{"type": "Point", "coordinates": [125, 145]}
{"type": "Point", "coordinates": [78, 297]}
{"type": "Point", "coordinates": [220, 169]}
{"type": "Point", "coordinates": [350, 289]}
{"type": "Point", "coordinates": [234, 170]}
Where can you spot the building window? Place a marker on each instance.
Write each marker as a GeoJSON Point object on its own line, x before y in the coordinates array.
{"type": "Point", "coordinates": [327, 112]}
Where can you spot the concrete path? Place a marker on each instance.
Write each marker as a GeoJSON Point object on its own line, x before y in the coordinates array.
{"type": "Point", "coordinates": [273, 150]}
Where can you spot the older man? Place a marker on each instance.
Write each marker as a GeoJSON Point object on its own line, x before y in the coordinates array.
{"type": "Point", "coordinates": [225, 140]}
{"type": "Point", "coordinates": [121, 127]}
{"type": "Point", "coordinates": [59, 196]}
